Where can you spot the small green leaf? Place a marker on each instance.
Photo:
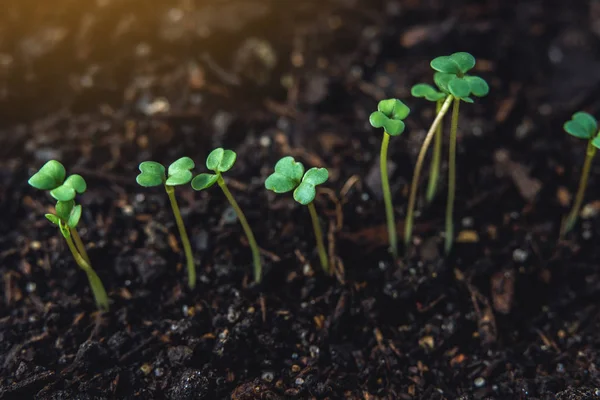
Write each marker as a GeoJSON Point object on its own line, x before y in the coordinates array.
{"type": "Point", "coordinates": [394, 127]}
{"type": "Point", "coordinates": [596, 142]}
{"type": "Point", "coordinates": [151, 174]}
{"type": "Point", "coordinates": [63, 193]}
{"type": "Point", "coordinates": [442, 79]}
{"type": "Point", "coordinates": [445, 64]}
{"type": "Point", "coordinates": [287, 176]}
{"type": "Point", "coordinates": [220, 160]}
{"type": "Point", "coordinates": [64, 229]}
{"type": "Point", "coordinates": [393, 108]}
{"type": "Point", "coordinates": [465, 61]}
{"type": "Point", "coordinates": [74, 217]}
{"type": "Point", "coordinates": [377, 119]}
{"type": "Point", "coordinates": [389, 116]}
{"type": "Point", "coordinates": [204, 181]}
{"type": "Point", "coordinates": [63, 209]}
{"type": "Point", "coordinates": [50, 176]}
{"type": "Point", "coordinates": [467, 100]}
{"type": "Point", "coordinates": [582, 125]}
{"type": "Point", "coordinates": [316, 176]}
{"type": "Point", "coordinates": [305, 193]}
{"type": "Point", "coordinates": [426, 91]}
{"type": "Point", "coordinates": [179, 178]}
{"type": "Point", "coordinates": [479, 86]}
{"type": "Point", "coordinates": [183, 164]}
{"type": "Point", "coordinates": [459, 87]}
{"type": "Point", "coordinates": [53, 218]}
{"type": "Point", "coordinates": [77, 183]}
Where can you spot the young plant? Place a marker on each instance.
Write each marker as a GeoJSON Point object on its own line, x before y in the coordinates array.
{"type": "Point", "coordinates": [179, 173]}
{"type": "Point", "coordinates": [67, 214]}
{"type": "Point", "coordinates": [289, 175]}
{"type": "Point", "coordinates": [583, 126]}
{"type": "Point", "coordinates": [220, 161]}
{"type": "Point", "coordinates": [451, 79]}
{"type": "Point", "coordinates": [389, 116]}
{"type": "Point", "coordinates": [430, 93]}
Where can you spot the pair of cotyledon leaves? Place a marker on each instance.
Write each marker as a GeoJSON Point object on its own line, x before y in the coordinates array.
{"type": "Point", "coordinates": [179, 172]}
{"type": "Point", "coordinates": [451, 78]}
{"type": "Point", "coordinates": [583, 126]}
{"type": "Point", "coordinates": [289, 175]}
{"type": "Point", "coordinates": [389, 116]}
{"type": "Point", "coordinates": [52, 177]}
{"type": "Point", "coordinates": [67, 213]}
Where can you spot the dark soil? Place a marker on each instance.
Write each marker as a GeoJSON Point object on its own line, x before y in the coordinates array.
{"type": "Point", "coordinates": [513, 313]}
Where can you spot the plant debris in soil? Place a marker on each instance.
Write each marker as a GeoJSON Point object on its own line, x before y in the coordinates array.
{"type": "Point", "coordinates": [513, 313]}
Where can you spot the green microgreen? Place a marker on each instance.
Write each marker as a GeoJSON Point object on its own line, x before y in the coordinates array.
{"type": "Point", "coordinates": [389, 116]}
{"type": "Point", "coordinates": [451, 79]}
{"type": "Point", "coordinates": [582, 126]}
{"type": "Point", "coordinates": [289, 175]}
{"type": "Point", "coordinates": [51, 177]}
{"type": "Point", "coordinates": [218, 161]}
{"type": "Point", "coordinates": [178, 173]}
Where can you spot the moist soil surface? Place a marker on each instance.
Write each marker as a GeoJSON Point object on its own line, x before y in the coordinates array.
{"type": "Point", "coordinates": [512, 313]}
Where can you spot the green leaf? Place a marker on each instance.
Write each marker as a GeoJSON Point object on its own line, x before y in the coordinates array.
{"type": "Point", "coordinates": [204, 181]}
{"type": "Point", "coordinates": [316, 176]}
{"type": "Point", "coordinates": [459, 87]}
{"type": "Point", "coordinates": [465, 61]}
{"type": "Point", "coordinates": [287, 176]}
{"type": "Point", "coordinates": [442, 79]}
{"type": "Point", "coordinates": [74, 217]}
{"type": "Point", "coordinates": [377, 119]}
{"type": "Point", "coordinates": [582, 125]}
{"type": "Point", "coordinates": [389, 115]}
{"type": "Point", "coordinates": [76, 182]}
{"type": "Point", "coordinates": [445, 64]}
{"type": "Point", "coordinates": [220, 160]}
{"type": "Point", "coordinates": [426, 91]}
{"type": "Point", "coordinates": [64, 229]}
{"type": "Point", "coordinates": [53, 218]}
{"type": "Point", "coordinates": [63, 193]}
{"type": "Point", "coordinates": [394, 127]}
{"type": "Point", "coordinates": [179, 178]}
{"type": "Point", "coordinates": [596, 142]}
{"type": "Point", "coordinates": [151, 174]}
{"type": "Point", "coordinates": [479, 86]}
{"type": "Point", "coordinates": [50, 176]}
{"type": "Point", "coordinates": [467, 100]}
{"type": "Point", "coordinates": [393, 108]}
{"type": "Point", "coordinates": [63, 209]}
{"type": "Point", "coordinates": [183, 164]}
{"type": "Point", "coordinates": [305, 193]}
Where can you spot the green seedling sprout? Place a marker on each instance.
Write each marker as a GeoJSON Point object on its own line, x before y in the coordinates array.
{"type": "Point", "coordinates": [389, 116]}
{"type": "Point", "coordinates": [451, 78]}
{"type": "Point", "coordinates": [179, 173]}
{"type": "Point", "coordinates": [583, 126]}
{"type": "Point", "coordinates": [432, 94]}
{"type": "Point", "coordinates": [289, 175]}
{"type": "Point", "coordinates": [220, 161]}
{"type": "Point", "coordinates": [51, 177]}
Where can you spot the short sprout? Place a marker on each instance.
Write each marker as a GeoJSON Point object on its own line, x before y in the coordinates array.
{"type": "Point", "coordinates": [451, 76]}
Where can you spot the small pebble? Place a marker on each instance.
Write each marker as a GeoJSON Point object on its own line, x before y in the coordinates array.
{"type": "Point", "coordinates": [479, 382]}
{"type": "Point", "coordinates": [31, 286]}
{"type": "Point", "coordinates": [299, 381]}
{"type": "Point", "coordinates": [267, 376]}
{"type": "Point", "coordinates": [159, 372]}
{"type": "Point", "coordinates": [264, 141]}
{"type": "Point", "coordinates": [520, 255]}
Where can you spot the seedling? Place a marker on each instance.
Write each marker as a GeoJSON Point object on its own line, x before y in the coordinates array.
{"type": "Point", "coordinates": [51, 177]}
{"type": "Point", "coordinates": [432, 94]}
{"type": "Point", "coordinates": [289, 175]}
{"type": "Point", "coordinates": [389, 116]}
{"type": "Point", "coordinates": [179, 173]}
{"type": "Point", "coordinates": [451, 79]}
{"type": "Point", "coordinates": [583, 126]}
{"type": "Point", "coordinates": [220, 161]}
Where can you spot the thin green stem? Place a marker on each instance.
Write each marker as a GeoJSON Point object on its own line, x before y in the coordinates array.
{"type": "Point", "coordinates": [408, 226]}
{"type": "Point", "coordinates": [187, 248]}
{"type": "Point", "coordinates": [246, 227]}
{"type": "Point", "coordinates": [434, 171]}
{"type": "Point", "coordinates": [387, 196]}
{"type": "Point", "coordinates": [95, 283]}
{"type": "Point", "coordinates": [79, 244]}
{"type": "Point", "coordinates": [585, 173]}
{"type": "Point", "coordinates": [451, 178]}
{"type": "Point", "coordinates": [319, 237]}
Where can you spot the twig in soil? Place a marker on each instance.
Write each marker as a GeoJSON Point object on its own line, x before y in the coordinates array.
{"type": "Point", "coordinates": [179, 173]}
{"type": "Point", "coordinates": [219, 161]}
{"type": "Point", "coordinates": [583, 126]}
{"type": "Point", "coordinates": [389, 116]}
{"type": "Point", "coordinates": [289, 175]}
{"type": "Point", "coordinates": [486, 321]}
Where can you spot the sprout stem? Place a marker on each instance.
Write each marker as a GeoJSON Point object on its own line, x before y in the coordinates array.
{"type": "Point", "coordinates": [246, 227]}
{"type": "Point", "coordinates": [319, 237]}
{"type": "Point", "coordinates": [187, 248]}
{"type": "Point", "coordinates": [434, 172]}
{"type": "Point", "coordinates": [451, 178]}
{"type": "Point", "coordinates": [95, 283]}
{"type": "Point", "coordinates": [585, 173]}
{"type": "Point", "coordinates": [408, 226]}
{"type": "Point", "coordinates": [387, 197]}
{"type": "Point", "coordinates": [80, 246]}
